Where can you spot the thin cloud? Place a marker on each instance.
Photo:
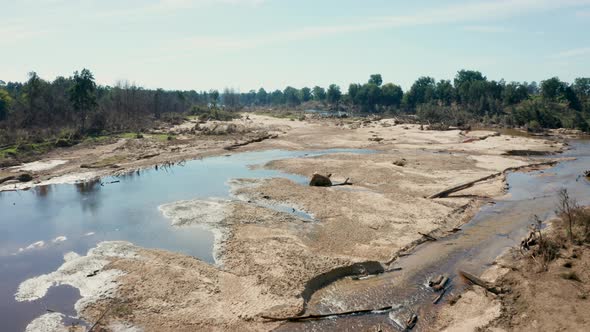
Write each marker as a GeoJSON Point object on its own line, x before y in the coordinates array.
{"type": "Point", "coordinates": [15, 32]}
{"type": "Point", "coordinates": [583, 13]}
{"type": "Point", "coordinates": [465, 13]}
{"type": "Point", "coordinates": [486, 28]}
{"type": "Point", "coordinates": [159, 6]}
{"type": "Point", "coordinates": [576, 52]}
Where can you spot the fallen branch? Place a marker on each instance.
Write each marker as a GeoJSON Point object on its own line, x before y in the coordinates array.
{"type": "Point", "coordinates": [147, 156]}
{"type": "Point", "coordinates": [441, 284]}
{"type": "Point", "coordinates": [99, 319]}
{"type": "Point", "coordinates": [254, 140]}
{"type": "Point", "coordinates": [429, 237]}
{"type": "Point", "coordinates": [482, 283]}
{"type": "Point", "coordinates": [311, 317]}
{"type": "Point", "coordinates": [345, 183]}
{"type": "Point", "coordinates": [436, 299]}
{"type": "Point", "coordinates": [463, 186]}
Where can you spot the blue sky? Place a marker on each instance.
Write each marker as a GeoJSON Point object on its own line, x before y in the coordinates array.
{"type": "Point", "coordinates": [246, 44]}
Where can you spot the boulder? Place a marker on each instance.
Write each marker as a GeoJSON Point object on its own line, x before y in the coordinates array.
{"type": "Point", "coordinates": [318, 180]}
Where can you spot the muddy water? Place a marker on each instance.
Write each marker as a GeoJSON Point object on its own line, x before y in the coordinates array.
{"type": "Point", "coordinates": [497, 227]}
{"type": "Point", "coordinates": [76, 217]}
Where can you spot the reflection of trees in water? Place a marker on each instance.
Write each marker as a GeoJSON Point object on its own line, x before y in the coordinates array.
{"type": "Point", "coordinates": [129, 175]}
{"type": "Point", "coordinates": [42, 191]}
{"type": "Point", "coordinates": [89, 191]}
{"type": "Point", "coordinates": [88, 187]}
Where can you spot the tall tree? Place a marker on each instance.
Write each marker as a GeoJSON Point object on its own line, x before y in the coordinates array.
{"type": "Point", "coordinates": [319, 93]}
{"type": "Point", "coordinates": [467, 83]}
{"type": "Point", "coordinates": [445, 92]}
{"type": "Point", "coordinates": [376, 79]}
{"type": "Point", "coordinates": [83, 94]}
{"type": "Point", "coordinates": [32, 93]}
{"type": "Point", "coordinates": [305, 94]}
{"type": "Point", "coordinates": [261, 97]}
{"type": "Point", "coordinates": [291, 96]}
{"type": "Point", "coordinates": [5, 101]}
{"type": "Point", "coordinates": [421, 92]}
{"type": "Point", "coordinates": [391, 95]}
{"type": "Point", "coordinates": [214, 97]}
{"type": "Point", "coordinates": [369, 96]}
{"type": "Point", "coordinates": [333, 94]}
{"type": "Point", "coordinates": [552, 88]}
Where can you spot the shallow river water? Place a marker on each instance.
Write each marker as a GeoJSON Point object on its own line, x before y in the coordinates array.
{"type": "Point", "coordinates": [40, 225]}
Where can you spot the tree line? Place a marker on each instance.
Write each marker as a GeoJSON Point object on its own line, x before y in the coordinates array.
{"type": "Point", "coordinates": [78, 103]}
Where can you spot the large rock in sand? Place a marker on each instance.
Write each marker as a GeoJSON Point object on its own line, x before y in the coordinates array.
{"type": "Point", "coordinates": [318, 180]}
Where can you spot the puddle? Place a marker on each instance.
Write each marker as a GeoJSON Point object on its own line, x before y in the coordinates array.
{"type": "Point", "coordinates": [40, 225]}
{"type": "Point", "coordinates": [494, 229]}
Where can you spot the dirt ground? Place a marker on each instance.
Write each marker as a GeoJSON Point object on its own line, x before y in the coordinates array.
{"type": "Point", "coordinates": [538, 300]}
{"type": "Point", "coordinates": [268, 256]}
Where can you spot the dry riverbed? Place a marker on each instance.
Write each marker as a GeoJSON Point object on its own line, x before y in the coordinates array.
{"type": "Point", "coordinates": [266, 257]}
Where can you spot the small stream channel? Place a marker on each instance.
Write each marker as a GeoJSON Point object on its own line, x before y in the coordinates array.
{"type": "Point", "coordinates": [76, 217]}
{"type": "Point", "coordinates": [498, 226]}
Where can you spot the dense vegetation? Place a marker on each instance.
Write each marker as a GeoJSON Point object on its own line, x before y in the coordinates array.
{"type": "Point", "coordinates": [77, 106]}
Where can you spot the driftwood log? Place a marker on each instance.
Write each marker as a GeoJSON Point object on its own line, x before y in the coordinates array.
{"type": "Point", "coordinates": [482, 283]}
{"type": "Point", "coordinates": [463, 186]}
{"type": "Point", "coordinates": [345, 183]}
{"type": "Point", "coordinates": [254, 140]}
{"type": "Point", "coordinates": [311, 317]}
{"type": "Point", "coordinates": [436, 299]}
{"type": "Point", "coordinates": [441, 284]}
{"type": "Point", "coordinates": [429, 237]}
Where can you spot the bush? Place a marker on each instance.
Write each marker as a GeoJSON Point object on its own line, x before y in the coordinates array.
{"type": "Point", "coordinates": [213, 114]}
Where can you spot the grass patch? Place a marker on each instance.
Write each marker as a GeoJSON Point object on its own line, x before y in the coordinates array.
{"type": "Point", "coordinates": [163, 137]}
{"type": "Point", "coordinates": [127, 135]}
{"type": "Point", "coordinates": [213, 114]}
{"type": "Point", "coordinates": [8, 152]}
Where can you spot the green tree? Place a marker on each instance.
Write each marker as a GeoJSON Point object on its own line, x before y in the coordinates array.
{"type": "Point", "coordinates": [83, 94]}
{"type": "Point", "coordinates": [261, 97]}
{"type": "Point", "coordinates": [391, 95]}
{"type": "Point", "coordinates": [421, 92]}
{"type": "Point", "coordinates": [214, 97]}
{"type": "Point", "coordinates": [32, 94]}
{"type": "Point", "coordinates": [5, 101]}
{"type": "Point", "coordinates": [369, 96]}
{"type": "Point", "coordinates": [277, 97]}
{"type": "Point", "coordinates": [582, 87]}
{"type": "Point", "coordinates": [333, 94]}
{"type": "Point", "coordinates": [581, 123]}
{"type": "Point", "coordinates": [444, 92]}
{"type": "Point", "coordinates": [291, 96]}
{"type": "Point", "coordinates": [513, 93]}
{"type": "Point", "coordinates": [319, 93]}
{"type": "Point", "coordinates": [468, 85]}
{"type": "Point", "coordinates": [305, 94]}
{"type": "Point", "coordinates": [552, 88]}
{"type": "Point", "coordinates": [353, 90]}
{"type": "Point", "coordinates": [376, 79]}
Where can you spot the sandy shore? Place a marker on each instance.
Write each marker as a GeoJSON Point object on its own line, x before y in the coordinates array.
{"type": "Point", "coordinates": [267, 256]}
